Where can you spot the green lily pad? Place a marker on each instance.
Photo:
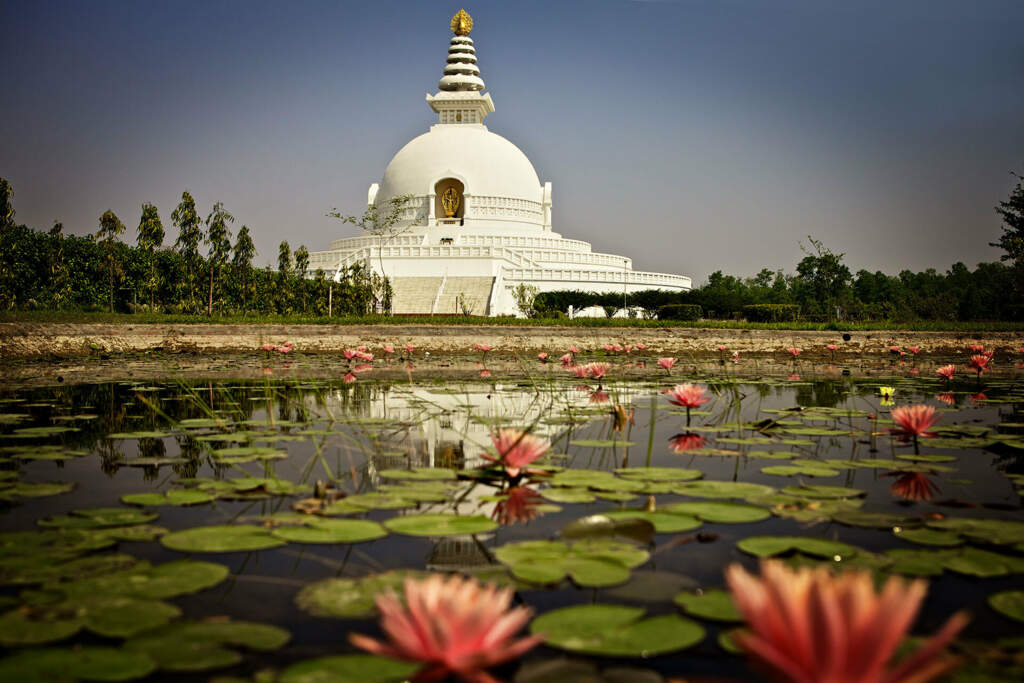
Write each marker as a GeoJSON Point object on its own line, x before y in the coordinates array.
{"type": "Point", "coordinates": [714, 604]}
{"type": "Point", "coordinates": [599, 443]}
{"type": "Point", "coordinates": [221, 539]}
{"type": "Point", "coordinates": [594, 479]}
{"type": "Point", "coordinates": [351, 598]}
{"type": "Point", "coordinates": [722, 489]}
{"type": "Point", "coordinates": [332, 531]}
{"type": "Point", "coordinates": [820, 491]}
{"type": "Point", "coordinates": [249, 452]}
{"type": "Point", "coordinates": [98, 517]}
{"type": "Point", "coordinates": [201, 646]}
{"type": "Point", "coordinates": [616, 631]}
{"type": "Point", "coordinates": [871, 520]}
{"type": "Point", "coordinates": [138, 435]}
{"type": "Point", "coordinates": [440, 525]}
{"type": "Point", "coordinates": [588, 563]}
{"type": "Point", "coordinates": [995, 531]}
{"type": "Point", "coordinates": [768, 546]}
{"type": "Point", "coordinates": [664, 522]}
{"type": "Point", "coordinates": [1008, 603]}
{"type": "Point", "coordinates": [638, 530]}
{"type": "Point", "coordinates": [982, 563]}
{"type": "Point", "coordinates": [35, 490]}
{"type": "Point", "coordinates": [20, 627]}
{"type": "Point", "coordinates": [173, 497]}
{"type": "Point", "coordinates": [659, 474]}
{"type": "Point", "coordinates": [87, 663]}
{"type": "Point", "coordinates": [350, 669]}
{"type": "Point", "coordinates": [420, 474]}
{"type": "Point", "coordinates": [377, 501]}
{"type": "Point", "coordinates": [568, 495]}
{"type": "Point", "coordinates": [930, 537]}
{"type": "Point", "coordinates": [168, 580]}
{"type": "Point", "coordinates": [800, 471]}
{"type": "Point", "coordinates": [719, 513]}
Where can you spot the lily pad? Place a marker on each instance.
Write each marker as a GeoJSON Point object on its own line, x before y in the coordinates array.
{"type": "Point", "coordinates": [168, 580]}
{"type": "Point", "coordinates": [332, 531]}
{"type": "Point", "coordinates": [204, 645]}
{"type": "Point", "coordinates": [173, 497]}
{"type": "Point", "coordinates": [768, 546]}
{"type": "Point", "coordinates": [376, 500]}
{"type": "Point", "coordinates": [440, 525]}
{"type": "Point", "coordinates": [800, 471]}
{"type": "Point", "coordinates": [722, 489]}
{"type": "Point", "coordinates": [568, 495]}
{"type": "Point", "coordinates": [420, 474]}
{"type": "Point", "coordinates": [588, 563]}
{"type": "Point", "coordinates": [599, 443]}
{"type": "Point", "coordinates": [659, 474]}
{"type": "Point", "coordinates": [87, 663]}
{"type": "Point", "coordinates": [821, 491]}
{"type": "Point", "coordinates": [1008, 603]}
{"type": "Point", "coordinates": [930, 537]}
{"type": "Point", "coordinates": [351, 598]}
{"type": "Point", "coordinates": [349, 669]}
{"type": "Point", "coordinates": [221, 539]}
{"type": "Point", "coordinates": [616, 631]}
{"type": "Point", "coordinates": [871, 520]}
{"type": "Point", "coordinates": [714, 604]}
{"type": "Point", "coordinates": [638, 530]}
{"type": "Point", "coordinates": [665, 522]}
{"type": "Point", "coordinates": [995, 531]}
{"type": "Point", "coordinates": [98, 517]}
{"type": "Point", "coordinates": [719, 513]}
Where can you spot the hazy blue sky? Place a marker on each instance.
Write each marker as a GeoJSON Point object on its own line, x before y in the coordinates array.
{"type": "Point", "coordinates": [693, 135]}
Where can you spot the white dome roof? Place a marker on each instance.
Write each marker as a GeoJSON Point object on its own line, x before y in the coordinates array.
{"type": "Point", "coordinates": [486, 163]}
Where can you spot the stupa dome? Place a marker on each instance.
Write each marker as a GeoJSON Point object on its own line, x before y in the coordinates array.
{"type": "Point", "coordinates": [487, 165]}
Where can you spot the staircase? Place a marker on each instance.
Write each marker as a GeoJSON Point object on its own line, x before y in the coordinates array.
{"type": "Point", "coordinates": [414, 294]}
{"type": "Point", "coordinates": [475, 294]}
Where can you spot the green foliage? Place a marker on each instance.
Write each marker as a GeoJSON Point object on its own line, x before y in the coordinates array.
{"type": "Point", "coordinates": [218, 237]}
{"type": "Point", "coordinates": [151, 238]}
{"type": "Point", "coordinates": [1012, 211]}
{"type": "Point", "coordinates": [680, 312]}
{"type": "Point", "coordinates": [822, 280]}
{"type": "Point", "coordinates": [771, 313]}
{"type": "Point", "coordinates": [111, 228]}
{"type": "Point", "coordinates": [525, 295]}
{"type": "Point", "coordinates": [190, 232]}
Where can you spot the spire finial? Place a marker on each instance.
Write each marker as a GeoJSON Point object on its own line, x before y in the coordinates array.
{"type": "Point", "coordinates": [462, 23]}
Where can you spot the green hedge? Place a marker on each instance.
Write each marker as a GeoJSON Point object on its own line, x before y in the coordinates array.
{"type": "Point", "coordinates": [680, 312]}
{"type": "Point", "coordinates": [771, 313]}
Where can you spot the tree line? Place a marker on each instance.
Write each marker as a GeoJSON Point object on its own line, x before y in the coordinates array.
{"type": "Point", "coordinates": [57, 271]}
{"type": "Point", "coordinates": [825, 289]}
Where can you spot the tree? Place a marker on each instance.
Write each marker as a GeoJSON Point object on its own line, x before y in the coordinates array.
{"type": "Point", "coordinates": [284, 276]}
{"type": "Point", "coordinates": [241, 261]}
{"type": "Point", "coordinates": [219, 238]}
{"type": "Point", "coordinates": [1012, 239]}
{"type": "Point", "coordinates": [6, 208]}
{"type": "Point", "coordinates": [111, 228]}
{"type": "Point", "coordinates": [301, 266]}
{"type": "Point", "coordinates": [382, 221]}
{"type": "Point", "coordinates": [823, 278]}
{"type": "Point", "coordinates": [525, 296]}
{"type": "Point", "coordinates": [151, 238]}
{"type": "Point", "coordinates": [190, 233]}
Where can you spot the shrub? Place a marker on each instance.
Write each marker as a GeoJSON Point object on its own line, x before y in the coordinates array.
{"type": "Point", "coordinates": [680, 312]}
{"type": "Point", "coordinates": [771, 313]}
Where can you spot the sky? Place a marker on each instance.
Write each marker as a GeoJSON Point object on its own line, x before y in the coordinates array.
{"type": "Point", "coordinates": [693, 136]}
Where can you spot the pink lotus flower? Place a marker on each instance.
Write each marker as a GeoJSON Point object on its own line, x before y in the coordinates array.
{"type": "Point", "coordinates": [485, 373]}
{"type": "Point", "coordinates": [363, 355]}
{"type": "Point", "coordinates": [349, 353]}
{"type": "Point", "coordinates": [542, 357]}
{"type": "Point", "coordinates": [579, 370]}
{"type": "Point", "coordinates": [795, 377]}
{"type": "Point", "coordinates": [483, 347]}
{"type": "Point", "coordinates": [979, 397]}
{"type": "Point", "coordinates": [812, 626]}
{"type": "Point", "coordinates": [914, 349]}
{"type": "Point", "coordinates": [388, 348]}
{"type": "Point", "coordinates": [794, 351]}
{"type": "Point", "coordinates": [409, 348]}
{"type": "Point", "coordinates": [721, 347]}
{"type": "Point", "coordinates": [348, 378]}
{"type": "Point", "coordinates": [831, 347]}
{"type": "Point", "coordinates": [666, 363]}
{"type": "Point", "coordinates": [980, 362]}
{"type": "Point", "coordinates": [627, 348]}
{"type": "Point", "coordinates": [268, 371]}
{"type": "Point", "coordinates": [573, 350]}
{"type": "Point", "coordinates": [566, 359]}
{"type": "Point", "coordinates": [976, 348]}
{"type": "Point", "coordinates": [362, 367]}
{"type": "Point", "coordinates": [520, 504]}
{"type": "Point", "coordinates": [453, 625]}
{"type": "Point", "coordinates": [947, 371]}
{"type": "Point", "coordinates": [597, 370]}
{"type": "Point", "coordinates": [609, 347]}
{"type": "Point", "coordinates": [361, 349]}
{"type": "Point", "coordinates": [914, 420]}
{"type": "Point", "coordinates": [912, 486]}
{"type": "Point", "coordinates": [686, 441]}
{"type": "Point", "coordinates": [894, 349]}
{"type": "Point", "coordinates": [643, 347]}
{"type": "Point", "coordinates": [268, 347]}
{"type": "Point", "coordinates": [688, 395]}
{"type": "Point", "coordinates": [735, 356]}
{"type": "Point", "coordinates": [284, 349]}
{"type": "Point", "coordinates": [516, 449]}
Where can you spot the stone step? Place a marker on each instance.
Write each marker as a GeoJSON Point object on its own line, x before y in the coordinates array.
{"type": "Point", "coordinates": [473, 292]}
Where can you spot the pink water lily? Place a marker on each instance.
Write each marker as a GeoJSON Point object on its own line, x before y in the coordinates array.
{"type": "Point", "coordinates": [812, 626]}
{"type": "Point", "coordinates": [914, 420]}
{"type": "Point", "coordinates": [666, 363]}
{"type": "Point", "coordinates": [597, 370]}
{"type": "Point", "coordinates": [516, 449]}
{"type": "Point", "coordinates": [566, 359]}
{"type": "Point", "coordinates": [947, 371]}
{"type": "Point", "coordinates": [520, 504]}
{"type": "Point", "coordinates": [452, 625]}
{"type": "Point", "coordinates": [980, 362]}
{"type": "Point", "coordinates": [688, 395]}
{"type": "Point", "coordinates": [482, 347]}
{"type": "Point", "coordinates": [542, 356]}
{"type": "Point", "coordinates": [409, 348]}
{"type": "Point", "coordinates": [794, 351]}
{"type": "Point", "coordinates": [350, 353]}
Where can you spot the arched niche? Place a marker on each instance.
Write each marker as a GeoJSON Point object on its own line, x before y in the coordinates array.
{"type": "Point", "coordinates": [449, 196]}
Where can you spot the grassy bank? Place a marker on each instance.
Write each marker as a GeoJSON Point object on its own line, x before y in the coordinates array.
{"type": "Point", "coordinates": [161, 318]}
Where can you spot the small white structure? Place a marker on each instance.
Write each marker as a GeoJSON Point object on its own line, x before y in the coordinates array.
{"type": "Point", "coordinates": [479, 223]}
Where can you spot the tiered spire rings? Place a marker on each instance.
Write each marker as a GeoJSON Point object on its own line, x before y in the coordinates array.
{"type": "Point", "coordinates": [461, 73]}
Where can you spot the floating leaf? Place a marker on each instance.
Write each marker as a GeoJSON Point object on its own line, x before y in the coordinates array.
{"type": "Point", "coordinates": [168, 580]}
{"type": "Point", "coordinates": [440, 525]}
{"type": "Point", "coordinates": [221, 539]}
{"type": "Point", "coordinates": [800, 471]}
{"type": "Point", "coordinates": [659, 474]}
{"type": "Point", "coordinates": [201, 646]}
{"type": "Point", "coordinates": [768, 546]}
{"type": "Point", "coordinates": [174, 497]}
{"type": "Point", "coordinates": [1008, 603]}
{"type": "Point", "coordinates": [639, 530]}
{"type": "Point", "coordinates": [871, 520]}
{"type": "Point", "coordinates": [930, 537]}
{"type": "Point", "coordinates": [599, 443]}
{"type": "Point", "coordinates": [568, 495]}
{"type": "Point", "coordinates": [722, 489]}
{"type": "Point", "coordinates": [821, 491]}
{"type": "Point", "coordinates": [715, 604]}
{"type": "Point", "coordinates": [664, 522]}
{"type": "Point", "coordinates": [588, 563]}
{"type": "Point", "coordinates": [88, 663]}
{"type": "Point", "coordinates": [98, 517]}
{"type": "Point", "coordinates": [719, 513]}
{"type": "Point", "coordinates": [349, 669]}
{"type": "Point", "coordinates": [332, 531]}
{"type": "Point", "coordinates": [616, 631]}
{"type": "Point", "coordinates": [996, 531]}
{"type": "Point", "coordinates": [351, 598]}
{"type": "Point", "coordinates": [420, 474]}
{"type": "Point", "coordinates": [377, 501]}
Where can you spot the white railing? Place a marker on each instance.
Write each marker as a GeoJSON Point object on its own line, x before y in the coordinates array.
{"type": "Point", "coordinates": [579, 275]}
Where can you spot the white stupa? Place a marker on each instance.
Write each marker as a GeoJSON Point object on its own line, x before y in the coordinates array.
{"type": "Point", "coordinates": [479, 222]}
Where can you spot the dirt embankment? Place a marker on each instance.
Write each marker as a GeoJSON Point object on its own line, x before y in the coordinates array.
{"type": "Point", "coordinates": [49, 340]}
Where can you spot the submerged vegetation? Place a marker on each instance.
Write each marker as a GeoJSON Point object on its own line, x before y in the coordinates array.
{"type": "Point", "coordinates": [597, 515]}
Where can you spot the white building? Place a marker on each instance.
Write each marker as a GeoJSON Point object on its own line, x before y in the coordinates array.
{"type": "Point", "coordinates": [479, 223]}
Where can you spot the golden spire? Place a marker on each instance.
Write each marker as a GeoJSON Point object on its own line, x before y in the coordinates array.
{"type": "Point", "coordinates": [462, 23]}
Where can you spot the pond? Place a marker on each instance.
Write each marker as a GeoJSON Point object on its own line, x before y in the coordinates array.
{"type": "Point", "coordinates": [184, 529]}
